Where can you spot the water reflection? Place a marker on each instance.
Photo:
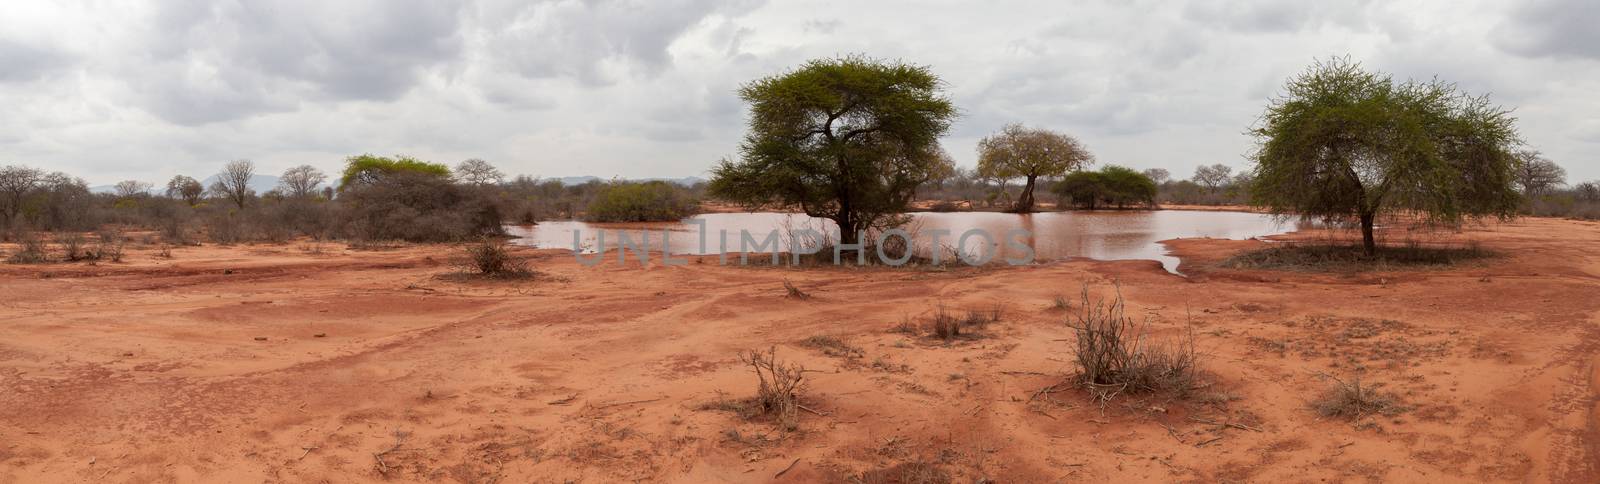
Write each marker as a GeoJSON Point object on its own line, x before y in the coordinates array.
{"type": "Point", "coordinates": [1103, 235]}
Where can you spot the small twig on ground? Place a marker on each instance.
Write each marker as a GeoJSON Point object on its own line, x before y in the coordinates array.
{"type": "Point", "coordinates": [1203, 444]}
{"type": "Point", "coordinates": [307, 452]}
{"type": "Point", "coordinates": [1226, 424]}
{"type": "Point", "coordinates": [786, 469]}
{"type": "Point", "coordinates": [564, 401]}
{"type": "Point", "coordinates": [808, 409]}
{"type": "Point", "coordinates": [618, 404]}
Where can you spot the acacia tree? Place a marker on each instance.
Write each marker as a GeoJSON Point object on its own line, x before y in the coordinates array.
{"type": "Point", "coordinates": [185, 188]}
{"type": "Point", "coordinates": [301, 181]}
{"type": "Point", "coordinates": [1029, 153]}
{"type": "Point", "coordinates": [234, 182]}
{"type": "Point", "coordinates": [15, 183]}
{"type": "Point", "coordinates": [477, 172]}
{"type": "Point", "coordinates": [847, 139]}
{"type": "Point", "coordinates": [1537, 174]}
{"type": "Point", "coordinates": [1158, 176]}
{"type": "Point", "coordinates": [131, 188]}
{"type": "Point", "coordinates": [1345, 145]}
{"type": "Point", "coordinates": [1213, 176]}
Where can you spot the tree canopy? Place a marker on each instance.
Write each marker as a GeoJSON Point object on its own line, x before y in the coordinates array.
{"type": "Point", "coordinates": [1344, 144]}
{"type": "Point", "coordinates": [847, 139]}
{"type": "Point", "coordinates": [368, 169]}
{"type": "Point", "coordinates": [1029, 153]}
{"type": "Point", "coordinates": [1111, 185]}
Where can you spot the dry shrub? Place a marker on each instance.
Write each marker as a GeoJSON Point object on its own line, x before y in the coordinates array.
{"type": "Point", "coordinates": [1354, 401]}
{"type": "Point", "coordinates": [778, 386]}
{"type": "Point", "coordinates": [30, 250]}
{"type": "Point", "coordinates": [72, 245]}
{"type": "Point", "coordinates": [1114, 355]}
{"type": "Point", "coordinates": [490, 257]}
{"type": "Point", "coordinates": [110, 245]}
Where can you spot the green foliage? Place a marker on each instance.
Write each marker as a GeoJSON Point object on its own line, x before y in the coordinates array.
{"type": "Point", "coordinates": [370, 169]}
{"type": "Point", "coordinates": [847, 139]}
{"type": "Point", "coordinates": [1029, 153]}
{"type": "Point", "coordinates": [652, 201]}
{"type": "Point", "coordinates": [1345, 145]}
{"type": "Point", "coordinates": [1112, 185]}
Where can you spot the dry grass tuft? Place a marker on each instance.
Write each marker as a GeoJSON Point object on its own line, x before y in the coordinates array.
{"type": "Point", "coordinates": [1114, 356]}
{"type": "Point", "coordinates": [832, 346]}
{"type": "Point", "coordinates": [1354, 401]}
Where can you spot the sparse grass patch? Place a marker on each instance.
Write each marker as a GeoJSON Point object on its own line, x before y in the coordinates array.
{"type": "Point", "coordinates": [832, 346]}
{"type": "Point", "coordinates": [1354, 401]}
{"type": "Point", "coordinates": [1115, 355]}
{"type": "Point", "coordinates": [1060, 303]}
{"type": "Point", "coordinates": [1351, 258]}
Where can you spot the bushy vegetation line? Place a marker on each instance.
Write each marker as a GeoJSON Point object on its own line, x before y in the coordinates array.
{"type": "Point", "coordinates": [374, 198]}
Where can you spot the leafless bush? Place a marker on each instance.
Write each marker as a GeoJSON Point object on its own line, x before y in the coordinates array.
{"type": "Point", "coordinates": [1354, 401]}
{"type": "Point", "coordinates": [490, 257]}
{"type": "Point", "coordinates": [30, 250]}
{"type": "Point", "coordinates": [1114, 356]}
{"type": "Point", "coordinates": [71, 244]}
{"type": "Point", "coordinates": [779, 384]}
{"type": "Point", "coordinates": [110, 245]}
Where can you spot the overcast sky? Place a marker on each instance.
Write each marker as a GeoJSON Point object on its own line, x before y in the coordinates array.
{"type": "Point", "coordinates": [113, 90]}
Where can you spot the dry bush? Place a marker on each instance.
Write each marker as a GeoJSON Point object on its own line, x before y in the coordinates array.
{"type": "Point", "coordinates": [30, 250]}
{"type": "Point", "coordinates": [71, 245]}
{"type": "Point", "coordinates": [1354, 401]}
{"type": "Point", "coordinates": [110, 245]}
{"type": "Point", "coordinates": [490, 257]}
{"type": "Point", "coordinates": [778, 386]}
{"type": "Point", "coordinates": [1060, 303]}
{"type": "Point", "coordinates": [1114, 355]}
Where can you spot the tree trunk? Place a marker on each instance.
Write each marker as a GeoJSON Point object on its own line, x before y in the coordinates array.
{"type": "Point", "coordinates": [1368, 244]}
{"type": "Point", "coordinates": [1025, 203]}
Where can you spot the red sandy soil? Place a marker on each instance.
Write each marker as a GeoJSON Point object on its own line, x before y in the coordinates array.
{"type": "Point", "coordinates": [316, 363]}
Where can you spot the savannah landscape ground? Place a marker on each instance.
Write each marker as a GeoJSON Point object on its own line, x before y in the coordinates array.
{"type": "Point", "coordinates": [318, 362]}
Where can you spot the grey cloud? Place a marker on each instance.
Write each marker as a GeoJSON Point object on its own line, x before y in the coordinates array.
{"type": "Point", "coordinates": [1274, 16]}
{"type": "Point", "coordinates": [1552, 28]}
{"type": "Point", "coordinates": [594, 42]}
{"type": "Point", "coordinates": [228, 61]}
{"type": "Point", "coordinates": [23, 62]}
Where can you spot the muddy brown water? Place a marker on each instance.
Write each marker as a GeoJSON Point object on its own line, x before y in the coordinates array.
{"type": "Point", "coordinates": [1102, 235]}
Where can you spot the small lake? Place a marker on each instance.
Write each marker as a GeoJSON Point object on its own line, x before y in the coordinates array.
{"type": "Point", "coordinates": [1102, 235]}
